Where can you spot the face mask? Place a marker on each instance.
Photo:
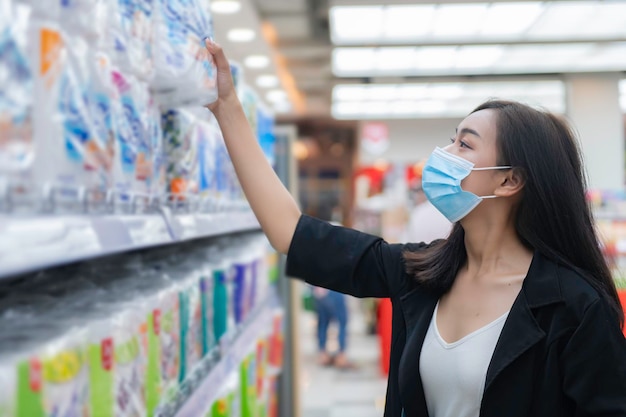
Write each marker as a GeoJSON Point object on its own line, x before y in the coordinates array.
{"type": "Point", "coordinates": [441, 182]}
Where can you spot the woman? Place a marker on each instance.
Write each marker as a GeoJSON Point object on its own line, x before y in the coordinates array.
{"type": "Point", "coordinates": [515, 314]}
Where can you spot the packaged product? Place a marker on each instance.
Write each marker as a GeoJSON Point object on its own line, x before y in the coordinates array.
{"type": "Point", "coordinates": [131, 164]}
{"type": "Point", "coordinates": [166, 325]}
{"type": "Point", "coordinates": [53, 380]}
{"type": "Point", "coordinates": [130, 36]}
{"type": "Point", "coordinates": [265, 133]}
{"type": "Point", "coordinates": [225, 177]}
{"type": "Point", "coordinates": [248, 383]}
{"type": "Point", "coordinates": [221, 300]}
{"type": "Point", "coordinates": [158, 180]}
{"type": "Point", "coordinates": [250, 103]}
{"type": "Point", "coordinates": [86, 18]}
{"type": "Point", "coordinates": [242, 280]}
{"type": "Point", "coordinates": [17, 152]}
{"type": "Point", "coordinates": [185, 273]}
{"type": "Point", "coordinates": [70, 154]}
{"type": "Point", "coordinates": [185, 73]}
{"type": "Point", "coordinates": [180, 138]}
{"type": "Point", "coordinates": [207, 293]}
{"type": "Point", "coordinates": [208, 136]}
{"type": "Point", "coordinates": [100, 359]}
{"type": "Point", "coordinates": [104, 96]}
{"type": "Point", "coordinates": [130, 362]}
{"type": "Point", "coordinates": [8, 382]}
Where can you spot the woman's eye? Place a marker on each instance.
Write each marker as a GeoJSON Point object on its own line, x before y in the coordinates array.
{"type": "Point", "coordinates": [464, 145]}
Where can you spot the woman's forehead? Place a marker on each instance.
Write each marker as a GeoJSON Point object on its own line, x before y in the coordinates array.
{"type": "Point", "coordinates": [481, 123]}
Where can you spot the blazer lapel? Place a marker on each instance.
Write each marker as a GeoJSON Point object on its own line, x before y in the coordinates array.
{"type": "Point", "coordinates": [519, 334]}
{"type": "Point", "coordinates": [418, 307]}
{"type": "Point", "coordinates": [521, 331]}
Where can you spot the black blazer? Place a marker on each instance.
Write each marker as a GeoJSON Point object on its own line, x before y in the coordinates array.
{"type": "Point", "coordinates": [561, 352]}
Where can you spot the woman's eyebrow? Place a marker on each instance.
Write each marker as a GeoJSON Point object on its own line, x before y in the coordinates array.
{"type": "Point", "coordinates": [468, 130]}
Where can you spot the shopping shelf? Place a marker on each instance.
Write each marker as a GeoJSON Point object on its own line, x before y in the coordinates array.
{"type": "Point", "coordinates": [32, 243]}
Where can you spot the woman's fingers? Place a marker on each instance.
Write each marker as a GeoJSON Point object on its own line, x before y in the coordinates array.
{"type": "Point", "coordinates": [218, 55]}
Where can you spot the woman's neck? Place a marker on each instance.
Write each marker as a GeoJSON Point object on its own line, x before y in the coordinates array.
{"type": "Point", "coordinates": [494, 249]}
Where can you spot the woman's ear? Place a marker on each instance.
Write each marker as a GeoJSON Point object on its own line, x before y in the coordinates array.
{"type": "Point", "coordinates": [512, 183]}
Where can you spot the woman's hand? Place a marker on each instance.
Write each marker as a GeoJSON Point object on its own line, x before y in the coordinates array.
{"type": "Point", "coordinates": [225, 86]}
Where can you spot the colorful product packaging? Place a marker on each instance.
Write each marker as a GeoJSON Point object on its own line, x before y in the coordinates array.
{"type": "Point", "coordinates": [208, 136]}
{"type": "Point", "coordinates": [185, 73]}
{"type": "Point", "coordinates": [17, 151]}
{"type": "Point", "coordinates": [180, 137]}
{"type": "Point", "coordinates": [68, 150]}
{"type": "Point", "coordinates": [130, 36]}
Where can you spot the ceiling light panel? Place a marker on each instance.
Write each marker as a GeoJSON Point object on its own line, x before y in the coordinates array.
{"type": "Point", "coordinates": [472, 22]}
{"type": "Point", "coordinates": [267, 81]}
{"type": "Point", "coordinates": [241, 35]}
{"type": "Point", "coordinates": [360, 22]}
{"type": "Point", "coordinates": [256, 61]}
{"type": "Point", "coordinates": [458, 20]}
{"type": "Point", "coordinates": [479, 59]}
{"type": "Point", "coordinates": [428, 100]}
{"type": "Point", "coordinates": [225, 6]}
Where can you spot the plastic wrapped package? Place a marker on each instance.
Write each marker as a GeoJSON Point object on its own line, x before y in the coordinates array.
{"type": "Point", "coordinates": [228, 403]}
{"type": "Point", "coordinates": [250, 103]}
{"type": "Point", "coordinates": [242, 281]}
{"type": "Point", "coordinates": [158, 180]}
{"type": "Point", "coordinates": [134, 293]}
{"type": "Point", "coordinates": [166, 327]}
{"type": "Point", "coordinates": [130, 362]}
{"type": "Point", "coordinates": [103, 98]}
{"type": "Point", "coordinates": [46, 10]}
{"type": "Point", "coordinates": [8, 382]}
{"type": "Point", "coordinates": [141, 100]}
{"type": "Point", "coordinates": [132, 167]}
{"type": "Point", "coordinates": [17, 152]}
{"type": "Point", "coordinates": [52, 374]}
{"type": "Point", "coordinates": [130, 36]}
{"type": "Point", "coordinates": [226, 183]}
{"type": "Point", "coordinates": [184, 72]}
{"type": "Point", "coordinates": [70, 155]}
{"type": "Point", "coordinates": [248, 384]}
{"type": "Point", "coordinates": [180, 138]}
{"type": "Point", "coordinates": [262, 377]}
{"type": "Point", "coordinates": [206, 294]}
{"type": "Point", "coordinates": [86, 18]}
{"type": "Point", "coordinates": [223, 320]}
{"type": "Point", "coordinates": [185, 273]}
{"type": "Point", "coordinates": [208, 137]}
{"type": "Point", "coordinates": [265, 133]}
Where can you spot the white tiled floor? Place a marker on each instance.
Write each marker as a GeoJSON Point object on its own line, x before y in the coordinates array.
{"type": "Point", "coordinates": [328, 392]}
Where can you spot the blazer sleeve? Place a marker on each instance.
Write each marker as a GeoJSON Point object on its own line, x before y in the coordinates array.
{"type": "Point", "coordinates": [346, 260]}
{"type": "Point", "coordinates": [594, 363]}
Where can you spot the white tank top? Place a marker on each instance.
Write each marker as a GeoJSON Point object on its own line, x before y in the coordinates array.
{"type": "Point", "coordinates": [453, 374]}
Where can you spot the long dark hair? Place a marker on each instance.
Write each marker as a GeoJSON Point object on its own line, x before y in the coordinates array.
{"type": "Point", "coordinates": [553, 216]}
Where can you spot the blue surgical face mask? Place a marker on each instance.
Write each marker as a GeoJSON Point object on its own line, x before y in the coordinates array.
{"type": "Point", "coordinates": [441, 182]}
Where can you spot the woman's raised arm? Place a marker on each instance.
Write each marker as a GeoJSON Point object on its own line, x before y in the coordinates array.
{"type": "Point", "coordinates": [274, 207]}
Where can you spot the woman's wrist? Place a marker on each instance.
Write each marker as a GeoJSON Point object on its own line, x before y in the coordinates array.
{"type": "Point", "coordinates": [226, 105]}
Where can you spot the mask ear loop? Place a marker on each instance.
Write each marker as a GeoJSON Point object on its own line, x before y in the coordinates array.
{"type": "Point", "coordinates": [486, 169]}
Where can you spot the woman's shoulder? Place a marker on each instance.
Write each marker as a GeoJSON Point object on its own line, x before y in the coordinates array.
{"type": "Point", "coordinates": [579, 295]}
{"type": "Point", "coordinates": [576, 287]}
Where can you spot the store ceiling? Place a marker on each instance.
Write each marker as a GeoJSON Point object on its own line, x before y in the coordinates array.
{"type": "Point", "coordinates": [319, 44]}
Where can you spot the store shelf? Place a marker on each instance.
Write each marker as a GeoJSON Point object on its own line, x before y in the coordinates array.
{"type": "Point", "coordinates": [31, 243]}
{"type": "Point", "coordinates": [194, 226]}
{"type": "Point", "coordinates": [231, 355]}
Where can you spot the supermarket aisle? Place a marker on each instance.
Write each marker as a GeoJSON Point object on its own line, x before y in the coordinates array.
{"type": "Point", "coordinates": [328, 392]}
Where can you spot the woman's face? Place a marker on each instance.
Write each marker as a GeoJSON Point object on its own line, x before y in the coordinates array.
{"type": "Point", "coordinates": [475, 140]}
